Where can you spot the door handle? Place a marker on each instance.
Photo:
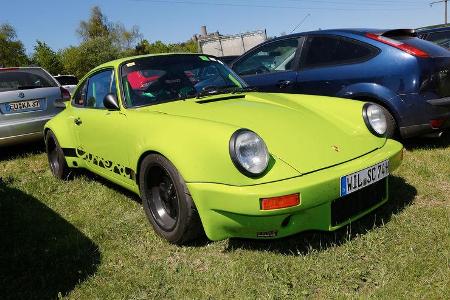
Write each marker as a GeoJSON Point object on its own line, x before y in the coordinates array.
{"type": "Point", "coordinates": [284, 83]}
{"type": "Point", "coordinates": [78, 121]}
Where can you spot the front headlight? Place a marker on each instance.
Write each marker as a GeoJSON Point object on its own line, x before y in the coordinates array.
{"type": "Point", "coordinates": [249, 152]}
{"type": "Point", "coordinates": [375, 119]}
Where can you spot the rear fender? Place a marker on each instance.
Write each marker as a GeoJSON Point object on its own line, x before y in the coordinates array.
{"type": "Point", "coordinates": [61, 126]}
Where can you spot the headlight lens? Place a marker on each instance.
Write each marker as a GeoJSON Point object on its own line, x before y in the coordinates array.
{"type": "Point", "coordinates": [249, 152]}
{"type": "Point", "coordinates": [375, 119]}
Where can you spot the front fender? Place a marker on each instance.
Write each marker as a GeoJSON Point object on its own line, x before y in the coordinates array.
{"type": "Point", "coordinates": [199, 149]}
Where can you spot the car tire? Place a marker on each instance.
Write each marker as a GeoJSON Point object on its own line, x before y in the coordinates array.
{"type": "Point", "coordinates": [167, 203]}
{"type": "Point", "coordinates": [391, 124]}
{"type": "Point", "coordinates": [56, 158]}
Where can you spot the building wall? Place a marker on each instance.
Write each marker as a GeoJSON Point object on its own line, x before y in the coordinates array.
{"type": "Point", "coordinates": [231, 45]}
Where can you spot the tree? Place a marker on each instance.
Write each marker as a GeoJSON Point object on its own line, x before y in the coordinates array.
{"type": "Point", "coordinates": [96, 27]}
{"type": "Point", "coordinates": [89, 54]}
{"type": "Point", "coordinates": [145, 47]}
{"type": "Point", "coordinates": [46, 58]}
{"type": "Point", "coordinates": [123, 38]}
{"type": "Point", "coordinates": [12, 51]}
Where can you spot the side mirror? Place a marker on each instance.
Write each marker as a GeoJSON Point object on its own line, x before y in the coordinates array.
{"type": "Point", "coordinates": [110, 102]}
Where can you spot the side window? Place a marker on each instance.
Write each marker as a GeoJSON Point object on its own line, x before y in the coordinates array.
{"type": "Point", "coordinates": [273, 57]}
{"type": "Point", "coordinates": [99, 85]}
{"type": "Point", "coordinates": [79, 99]}
{"type": "Point", "coordinates": [333, 50]}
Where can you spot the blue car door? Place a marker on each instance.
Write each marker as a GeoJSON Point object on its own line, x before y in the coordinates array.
{"type": "Point", "coordinates": [329, 63]}
{"type": "Point", "coordinates": [271, 67]}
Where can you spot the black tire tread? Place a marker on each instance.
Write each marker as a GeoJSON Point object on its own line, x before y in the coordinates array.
{"type": "Point", "coordinates": [391, 130]}
{"type": "Point", "coordinates": [193, 229]}
{"type": "Point", "coordinates": [65, 172]}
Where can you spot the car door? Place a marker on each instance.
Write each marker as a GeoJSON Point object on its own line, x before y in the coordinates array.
{"type": "Point", "coordinates": [329, 63]}
{"type": "Point", "coordinates": [271, 67]}
{"type": "Point", "coordinates": [101, 132]}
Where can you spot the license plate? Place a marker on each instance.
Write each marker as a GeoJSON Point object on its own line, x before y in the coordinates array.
{"type": "Point", "coordinates": [21, 106]}
{"type": "Point", "coordinates": [358, 180]}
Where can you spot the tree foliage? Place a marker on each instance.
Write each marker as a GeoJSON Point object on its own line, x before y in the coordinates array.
{"type": "Point", "coordinates": [12, 51]}
{"type": "Point", "coordinates": [96, 27]}
{"type": "Point", "coordinates": [145, 47]}
{"type": "Point", "coordinates": [46, 58]}
{"type": "Point", "coordinates": [89, 54]}
{"type": "Point", "coordinates": [100, 41]}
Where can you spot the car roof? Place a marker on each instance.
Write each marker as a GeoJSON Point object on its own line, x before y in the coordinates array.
{"type": "Point", "coordinates": [360, 31]}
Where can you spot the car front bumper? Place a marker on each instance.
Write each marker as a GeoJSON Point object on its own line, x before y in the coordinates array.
{"type": "Point", "coordinates": [234, 211]}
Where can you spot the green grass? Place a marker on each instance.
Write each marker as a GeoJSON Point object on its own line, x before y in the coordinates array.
{"type": "Point", "coordinates": [88, 239]}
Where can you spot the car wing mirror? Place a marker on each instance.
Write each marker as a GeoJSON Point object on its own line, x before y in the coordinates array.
{"type": "Point", "coordinates": [110, 102]}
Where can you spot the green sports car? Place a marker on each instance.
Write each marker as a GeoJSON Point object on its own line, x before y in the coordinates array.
{"type": "Point", "coordinates": [207, 154]}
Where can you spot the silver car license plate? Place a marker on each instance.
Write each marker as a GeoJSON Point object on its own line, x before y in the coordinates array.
{"type": "Point", "coordinates": [22, 106]}
{"type": "Point", "coordinates": [358, 180]}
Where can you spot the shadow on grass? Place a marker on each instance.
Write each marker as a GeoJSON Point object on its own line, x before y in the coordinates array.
{"type": "Point", "coordinates": [401, 195]}
{"type": "Point", "coordinates": [16, 151]}
{"type": "Point", "coordinates": [90, 176]}
{"type": "Point", "coordinates": [201, 241]}
{"type": "Point", "coordinates": [428, 143]}
{"type": "Point", "coordinates": [42, 256]}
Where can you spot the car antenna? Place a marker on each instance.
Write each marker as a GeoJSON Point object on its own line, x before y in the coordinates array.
{"type": "Point", "coordinates": [301, 22]}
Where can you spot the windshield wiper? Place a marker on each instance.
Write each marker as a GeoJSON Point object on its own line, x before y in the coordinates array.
{"type": "Point", "coordinates": [239, 90]}
{"type": "Point", "coordinates": [214, 90]}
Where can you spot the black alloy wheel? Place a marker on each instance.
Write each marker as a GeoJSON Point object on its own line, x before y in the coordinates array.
{"type": "Point", "coordinates": [167, 203]}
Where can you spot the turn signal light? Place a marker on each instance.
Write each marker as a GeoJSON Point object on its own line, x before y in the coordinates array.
{"type": "Point", "coordinates": [280, 202]}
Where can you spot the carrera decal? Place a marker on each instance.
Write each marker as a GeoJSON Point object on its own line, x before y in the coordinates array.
{"type": "Point", "coordinates": [69, 152]}
{"type": "Point", "coordinates": [101, 162]}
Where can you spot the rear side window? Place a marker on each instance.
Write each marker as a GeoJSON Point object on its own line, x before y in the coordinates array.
{"type": "Point", "coordinates": [22, 79]}
{"type": "Point", "coordinates": [274, 57]}
{"type": "Point", "coordinates": [99, 85]}
{"type": "Point", "coordinates": [80, 96]}
{"type": "Point", "coordinates": [334, 50]}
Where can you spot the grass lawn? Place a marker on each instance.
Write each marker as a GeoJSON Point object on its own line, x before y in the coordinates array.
{"type": "Point", "coordinates": [88, 239]}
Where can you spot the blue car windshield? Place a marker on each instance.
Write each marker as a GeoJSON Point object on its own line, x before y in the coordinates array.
{"type": "Point", "coordinates": [165, 78]}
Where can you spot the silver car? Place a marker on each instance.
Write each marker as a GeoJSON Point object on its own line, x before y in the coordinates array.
{"type": "Point", "coordinates": [29, 97]}
{"type": "Point", "coordinates": [69, 82]}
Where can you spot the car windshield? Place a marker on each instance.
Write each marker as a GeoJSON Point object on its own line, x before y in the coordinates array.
{"type": "Point", "coordinates": [12, 79]}
{"type": "Point", "coordinates": [165, 78]}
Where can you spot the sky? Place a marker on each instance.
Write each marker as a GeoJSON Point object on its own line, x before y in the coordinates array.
{"type": "Point", "coordinates": [55, 22]}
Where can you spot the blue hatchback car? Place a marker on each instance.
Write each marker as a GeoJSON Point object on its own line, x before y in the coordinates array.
{"type": "Point", "coordinates": [408, 76]}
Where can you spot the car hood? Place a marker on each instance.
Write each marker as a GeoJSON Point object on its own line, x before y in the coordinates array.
{"type": "Point", "coordinates": [307, 132]}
